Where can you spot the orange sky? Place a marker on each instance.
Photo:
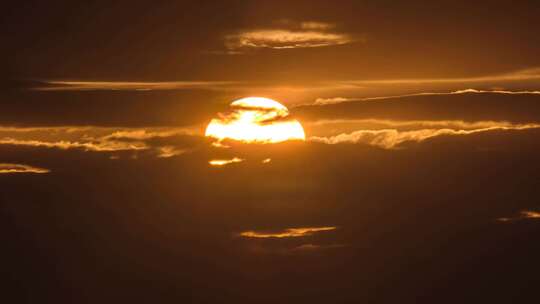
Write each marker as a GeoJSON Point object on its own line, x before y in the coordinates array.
{"type": "Point", "coordinates": [398, 163]}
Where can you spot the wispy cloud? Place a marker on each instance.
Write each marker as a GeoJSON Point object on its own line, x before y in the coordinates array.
{"type": "Point", "coordinates": [124, 85]}
{"type": "Point", "coordinates": [441, 124]}
{"type": "Point", "coordinates": [169, 151]}
{"type": "Point", "coordinates": [146, 133]}
{"type": "Point", "coordinates": [530, 214]}
{"type": "Point", "coordinates": [336, 100]}
{"type": "Point", "coordinates": [6, 168]}
{"type": "Point", "coordinates": [290, 35]}
{"type": "Point", "coordinates": [332, 100]}
{"type": "Point", "coordinates": [526, 74]}
{"type": "Point", "coordinates": [316, 25]}
{"type": "Point", "coordinates": [497, 91]}
{"type": "Point", "coordinates": [162, 141]}
{"type": "Point", "coordinates": [287, 233]}
{"type": "Point", "coordinates": [223, 162]}
{"type": "Point", "coordinates": [391, 138]}
{"type": "Point", "coordinates": [284, 39]}
{"type": "Point", "coordinates": [525, 214]}
{"type": "Point", "coordinates": [100, 146]}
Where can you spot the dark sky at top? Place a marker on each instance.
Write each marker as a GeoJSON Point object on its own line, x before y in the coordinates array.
{"type": "Point", "coordinates": [418, 181]}
{"type": "Point", "coordinates": [181, 40]}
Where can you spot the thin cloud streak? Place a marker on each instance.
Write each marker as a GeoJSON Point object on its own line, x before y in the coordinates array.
{"type": "Point", "coordinates": [246, 85]}
{"type": "Point", "coordinates": [7, 168]}
{"type": "Point", "coordinates": [104, 146]}
{"type": "Point", "coordinates": [223, 162]}
{"type": "Point", "coordinates": [66, 85]}
{"type": "Point", "coordinates": [527, 74]}
{"type": "Point", "coordinates": [450, 124]}
{"type": "Point", "coordinates": [287, 233]}
{"type": "Point", "coordinates": [530, 214]}
{"type": "Point", "coordinates": [322, 85]}
{"type": "Point", "coordinates": [333, 100]}
{"type": "Point", "coordinates": [525, 214]}
{"type": "Point", "coordinates": [336, 100]}
{"type": "Point", "coordinates": [141, 134]}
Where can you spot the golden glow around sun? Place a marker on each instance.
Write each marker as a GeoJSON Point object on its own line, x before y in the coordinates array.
{"type": "Point", "coordinates": [256, 120]}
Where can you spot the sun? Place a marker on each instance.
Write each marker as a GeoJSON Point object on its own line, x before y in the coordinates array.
{"type": "Point", "coordinates": [256, 120]}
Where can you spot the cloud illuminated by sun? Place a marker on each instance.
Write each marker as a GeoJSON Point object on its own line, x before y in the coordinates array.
{"type": "Point", "coordinates": [20, 168]}
{"type": "Point", "coordinates": [287, 233]}
{"type": "Point", "coordinates": [256, 120]}
{"type": "Point", "coordinates": [223, 162]}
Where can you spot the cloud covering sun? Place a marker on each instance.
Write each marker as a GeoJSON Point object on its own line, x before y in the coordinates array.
{"type": "Point", "coordinates": [256, 120]}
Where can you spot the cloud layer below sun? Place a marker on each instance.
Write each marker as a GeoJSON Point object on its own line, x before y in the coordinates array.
{"type": "Point", "coordinates": [6, 168]}
{"type": "Point", "coordinates": [162, 142]}
{"type": "Point", "coordinates": [391, 138]}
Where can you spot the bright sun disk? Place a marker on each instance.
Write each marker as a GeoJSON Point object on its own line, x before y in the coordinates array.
{"type": "Point", "coordinates": [256, 119]}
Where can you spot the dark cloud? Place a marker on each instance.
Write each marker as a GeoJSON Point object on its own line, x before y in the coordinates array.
{"type": "Point", "coordinates": [148, 217]}
{"type": "Point", "coordinates": [404, 40]}
{"type": "Point", "coordinates": [113, 109]}
{"type": "Point", "coordinates": [65, 85]}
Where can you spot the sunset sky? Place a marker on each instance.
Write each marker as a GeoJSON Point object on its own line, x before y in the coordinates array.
{"type": "Point", "coordinates": [270, 151]}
